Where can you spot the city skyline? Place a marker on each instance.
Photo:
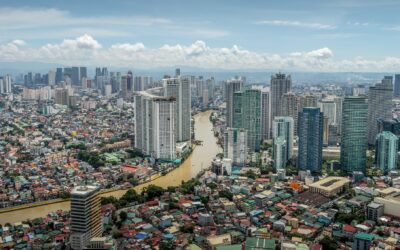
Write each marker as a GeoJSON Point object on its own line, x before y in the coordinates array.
{"type": "Point", "coordinates": [340, 35]}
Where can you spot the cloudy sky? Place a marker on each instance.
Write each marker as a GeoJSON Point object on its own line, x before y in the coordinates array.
{"type": "Point", "coordinates": [304, 35]}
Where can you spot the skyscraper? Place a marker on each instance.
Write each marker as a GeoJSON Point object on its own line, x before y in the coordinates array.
{"type": "Point", "coordinates": [125, 93]}
{"type": "Point", "coordinates": [379, 106]}
{"type": "Point", "coordinates": [179, 88]}
{"type": "Point", "coordinates": [82, 73]}
{"type": "Point", "coordinates": [247, 114]}
{"type": "Point", "coordinates": [282, 132]}
{"type": "Point", "coordinates": [396, 92]}
{"type": "Point", "coordinates": [231, 87]}
{"type": "Point", "coordinates": [235, 145]}
{"type": "Point", "coordinates": [51, 78]}
{"type": "Point", "coordinates": [155, 125]}
{"type": "Point", "coordinates": [75, 76]}
{"type": "Point", "coordinates": [59, 75]}
{"type": "Point", "coordinates": [2, 86]}
{"type": "Point", "coordinates": [137, 84]}
{"type": "Point", "coordinates": [280, 84]}
{"type": "Point", "coordinates": [86, 222]}
{"type": "Point", "coordinates": [338, 103]}
{"type": "Point", "coordinates": [279, 149]}
{"type": "Point", "coordinates": [308, 100]}
{"type": "Point", "coordinates": [310, 132]}
{"type": "Point", "coordinates": [386, 151]}
{"type": "Point", "coordinates": [265, 116]}
{"type": "Point", "coordinates": [61, 96]}
{"type": "Point", "coordinates": [104, 71]}
{"type": "Point", "coordinates": [354, 134]}
{"type": "Point", "coordinates": [290, 107]}
{"type": "Point", "coordinates": [5, 85]}
{"type": "Point", "coordinates": [391, 125]}
{"type": "Point", "coordinates": [328, 107]}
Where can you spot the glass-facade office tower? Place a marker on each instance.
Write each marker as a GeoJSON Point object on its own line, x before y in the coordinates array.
{"type": "Point", "coordinates": [379, 106]}
{"type": "Point", "coordinates": [396, 92]}
{"type": "Point", "coordinates": [247, 115]}
{"type": "Point", "coordinates": [230, 88]}
{"type": "Point", "coordinates": [282, 134]}
{"type": "Point", "coordinates": [265, 119]}
{"type": "Point", "coordinates": [310, 133]}
{"type": "Point", "coordinates": [354, 134]}
{"type": "Point", "coordinates": [386, 148]}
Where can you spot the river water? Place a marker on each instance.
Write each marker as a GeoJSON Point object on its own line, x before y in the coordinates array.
{"type": "Point", "coordinates": [200, 158]}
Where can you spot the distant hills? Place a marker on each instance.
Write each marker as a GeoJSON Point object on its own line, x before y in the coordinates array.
{"type": "Point", "coordinates": [252, 76]}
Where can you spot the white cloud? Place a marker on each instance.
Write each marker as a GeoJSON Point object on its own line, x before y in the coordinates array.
{"type": "Point", "coordinates": [393, 28]}
{"type": "Point", "coordinates": [29, 23]}
{"type": "Point", "coordinates": [299, 24]}
{"type": "Point", "coordinates": [85, 50]}
{"type": "Point", "coordinates": [25, 18]}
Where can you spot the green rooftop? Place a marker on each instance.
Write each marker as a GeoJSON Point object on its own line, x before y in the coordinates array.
{"type": "Point", "coordinates": [230, 247]}
{"type": "Point", "coordinates": [364, 236]}
{"type": "Point", "coordinates": [253, 243]}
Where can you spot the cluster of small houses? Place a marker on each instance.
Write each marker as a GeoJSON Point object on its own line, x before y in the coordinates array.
{"type": "Point", "coordinates": [257, 215]}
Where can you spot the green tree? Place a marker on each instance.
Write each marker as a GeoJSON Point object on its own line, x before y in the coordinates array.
{"type": "Point", "coordinates": [65, 195]}
{"type": "Point", "coordinates": [116, 234]}
{"type": "Point", "coordinates": [167, 245]}
{"type": "Point", "coordinates": [250, 174]}
{"type": "Point", "coordinates": [152, 191]}
{"type": "Point", "coordinates": [328, 243]}
{"type": "Point", "coordinates": [226, 194]}
{"type": "Point", "coordinates": [123, 216]}
{"type": "Point", "coordinates": [187, 228]}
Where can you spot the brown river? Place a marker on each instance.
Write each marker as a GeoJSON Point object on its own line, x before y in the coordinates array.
{"type": "Point", "coordinates": [200, 158]}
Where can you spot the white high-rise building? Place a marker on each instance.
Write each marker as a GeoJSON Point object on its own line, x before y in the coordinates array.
{"type": "Point", "coordinates": [86, 222]}
{"type": "Point", "coordinates": [282, 134]}
{"type": "Point", "coordinates": [5, 84]}
{"type": "Point", "coordinates": [51, 77]}
{"type": "Point", "coordinates": [235, 145]}
{"type": "Point", "coordinates": [155, 125]}
{"type": "Point", "coordinates": [328, 107]}
{"type": "Point", "coordinates": [179, 88]}
{"type": "Point", "coordinates": [2, 91]}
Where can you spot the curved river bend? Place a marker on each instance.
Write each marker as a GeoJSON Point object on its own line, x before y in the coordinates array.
{"type": "Point", "coordinates": [200, 158]}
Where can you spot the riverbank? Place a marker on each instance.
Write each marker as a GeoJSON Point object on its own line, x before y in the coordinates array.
{"type": "Point", "coordinates": [200, 159]}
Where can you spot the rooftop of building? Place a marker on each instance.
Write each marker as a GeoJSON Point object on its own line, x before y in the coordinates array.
{"type": "Point", "coordinates": [364, 236]}
{"type": "Point", "coordinates": [148, 94]}
{"type": "Point", "coordinates": [330, 183]}
{"type": "Point", "coordinates": [388, 191]}
{"type": "Point", "coordinates": [375, 205]}
{"type": "Point", "coordinates": [84, 190]}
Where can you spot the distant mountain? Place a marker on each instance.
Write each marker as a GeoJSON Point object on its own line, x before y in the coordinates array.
{"type": "Point", "coordinates": [252, 76]}
{"type": "Point", "coordinates": [23, 67]}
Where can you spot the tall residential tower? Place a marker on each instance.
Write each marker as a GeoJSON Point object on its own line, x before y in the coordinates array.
{"type": "Point", "coordinates": [280, 84]}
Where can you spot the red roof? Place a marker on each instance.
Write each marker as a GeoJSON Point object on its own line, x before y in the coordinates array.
{"type": "Point", "coordinates": [129, 169]}
{"type": "Point", "coordinates": [349, 228]}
